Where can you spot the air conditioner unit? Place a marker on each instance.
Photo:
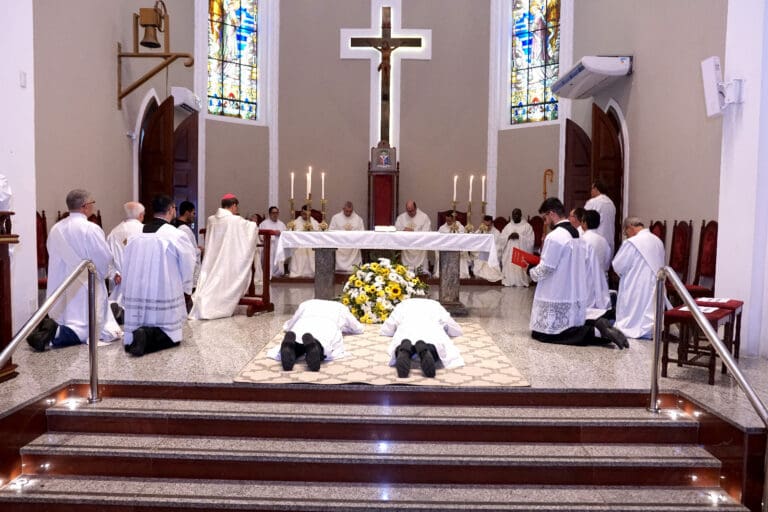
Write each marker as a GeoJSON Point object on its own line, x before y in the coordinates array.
{"type": "Point", "coordinates": [185, 99]}
{"type": "Point", "coordinates": [591, 74]}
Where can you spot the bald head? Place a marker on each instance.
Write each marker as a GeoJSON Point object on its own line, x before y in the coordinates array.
{"type": "Point", "coordinates": [411, 208]}
{"type": "Point", "coordinates": [134, 210]}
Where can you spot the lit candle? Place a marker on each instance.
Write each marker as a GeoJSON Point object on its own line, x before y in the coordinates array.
{"type": "Point", "coordinates": [322, 186]}
{"type": "Point", "coordinates": [471, 179]}
{"type": "Point", "coordinates": [292, 177]}
{"type": "Point", "coordinates": [482, 190]}
{"type": "Point", "coordinates": [309, 184]}
{"type": "Point", "coordinates": [455, 179]}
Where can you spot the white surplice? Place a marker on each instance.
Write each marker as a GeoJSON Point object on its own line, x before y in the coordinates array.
{"type": "Point", "coordinates": [327, 321]}
{"type": "Point", "coordinates": [598, 263]}
{"type": "Point", "coordinates": [184, 228]}
{"type": "Point", "coordinates": [637, 262]}
{"type": "Point", "coordinates": [482, 269]}
{"type": "Point", "coordinates": [424, 320]}
{"type": "Point", "coordinates": [607, 210]}
{"type": "Point", "coordinates": [158, 270]}
{"type": "Point", "coordinates": [457, 227]}
{"type": "Point", "coordinates": [70, 241]}
{"type": "Point", "coordinates": [302, 263]}
{"type": "Point", "coordinates": [117, 240]}
{"type": "Point", "coordinates": [514, 275]}
{"type": "Point", "coordinates": [347, 258]}
{"type": "Point", "coordinates": [419, 222]}
{"type": "Point", "coordinates": [274, 270]}
{"type": "Point", "coordinates": [230, 252]}
{"type": "Point", "coordinates": [560, 300]}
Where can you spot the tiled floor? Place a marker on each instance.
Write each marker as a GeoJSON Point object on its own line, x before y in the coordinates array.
{"type": "Point", "coordinates": [215, 352]}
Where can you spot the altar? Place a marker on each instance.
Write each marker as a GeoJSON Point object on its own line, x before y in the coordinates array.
{"type": "Point", "coordinates": [450, 245]}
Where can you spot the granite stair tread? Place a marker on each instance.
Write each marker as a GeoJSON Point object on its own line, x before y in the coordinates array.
{"type": "Point", "coordinates": [64, 493]}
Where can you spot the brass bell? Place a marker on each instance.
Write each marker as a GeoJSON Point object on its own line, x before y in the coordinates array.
{"type": "Point", "coordinates": [150, 38]}
{"type": "Point", "coordinates": [151, 20]}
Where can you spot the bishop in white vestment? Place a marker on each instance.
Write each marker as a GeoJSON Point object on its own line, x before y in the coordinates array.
{"type": "Point", "coordinates": [302, 262]}
{"type": "Point", "coordinates": [230, 253]}
{"type": "Point", "coordinates": [414, 219]}
{"type": "Point", "coordinates": [452, 225]}
{"type": "Point", "coordinates": [639, 259]}
{"type": "Point", "coordinates": [118, 239]}
{"type": "Point", "coordinates": [273, 223]}
{"type": "Point", "coordinates": [607, 210]}
{"type": "Point", "coordinates": [517, 233]}
{"type": "Point", "coordinates": [347, 220]}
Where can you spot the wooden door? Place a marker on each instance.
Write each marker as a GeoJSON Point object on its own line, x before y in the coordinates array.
{"type": "Point", "coordinates": [578, 165]}
{"type": "Point", "coordinates": [185, 161]}
{"type": "Point", "coordinates": [608, 161]}
{"type": "Point", "coordinates": [156, 155]}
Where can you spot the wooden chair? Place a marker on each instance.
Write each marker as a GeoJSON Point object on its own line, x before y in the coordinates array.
{"type": "Point", "coordinates": [704, 281]}
{"type": "Point", "coordinates": [500, 223]}
{"type": "Point", "coordinates": [680, 251]}
{"type": "Point", "coordinates": [441, 215]}
{"type": "Point", "coordinates": [537, 223]}
{"type": "Point", "coordinates": [94, 217]}
{"type": "Point", "coordinates": [42, 250]}
{"type": "Point", "coordinates": [659, 229]}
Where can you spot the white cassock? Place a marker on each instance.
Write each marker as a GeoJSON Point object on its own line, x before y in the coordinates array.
{"type": "Point", "coordinates": [117, 240]}
{"type": "Point", "coordinates": [230, 251]}
{"type": "Point", "coordinates": [184, 228]}
{"type": "Point", "coordinates": [327, 321]}
{"type": "Point", "coordinates": [275, 270]}
{"type": "Point", "coordinates": [607, 210]}
{"type": "Point", "coordinates": [158, 271]}
{"type": "Point", "coordinates": [419, 222]}
{"type": "Point", "coordinates": [637, 262]}
{"type": "Point", "coordinates": [598, 263]}
{"type": "Point", "coordinates": [514, 275]}
{"type": "Point", "coordinates": [5, 194]}
{"type": "Point", "coordinates": [561, 291]}
{"type": "Point", "coordinates": [458, 227]}
{"type": "Point", "coordinates": [482, 269]}
{"type": "Point", "coordinates": [302, 262]}
{"type": "Point", "coordinates": [425, 320]}
{"type": "Point", "coordinates": [72, 240]}
{"type": "Point", "coordinates": [347, 258]}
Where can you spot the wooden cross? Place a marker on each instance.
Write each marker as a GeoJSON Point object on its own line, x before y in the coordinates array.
{"type": "Point", "coordinates": [385, 44]}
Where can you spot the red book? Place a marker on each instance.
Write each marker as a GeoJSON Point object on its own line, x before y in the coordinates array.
{"type": "Point", "coordinates": [524, 259]}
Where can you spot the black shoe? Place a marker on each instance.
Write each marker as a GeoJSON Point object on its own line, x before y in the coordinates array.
{"type": "Point", "coordinates": [43, 334]}
{"type": "Point", "coordinates": [288, 351]}
{"type": "Point", "coordinates": [403, 358]}
{"type": "Point", "coordinates": [314, 352]}
{"type": "Point", "coordinates": [612, 334]}
{"type": "Point", "coordinates": [427, 359]}
{"type": "Point", "coordinates": [117, 312]}
{"type": "Point", "coordinates": [139, 344]}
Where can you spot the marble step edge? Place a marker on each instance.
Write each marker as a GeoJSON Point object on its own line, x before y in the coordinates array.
{"type": "Point", "coordinates": [233, 495]}
{"type": "Point", "coordinates": [370, 452]}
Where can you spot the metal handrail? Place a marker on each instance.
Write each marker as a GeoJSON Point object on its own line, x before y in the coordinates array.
{"type": "Point", "coordinates": [714, 339]}
{"type": "Point", "coordinates": [38, 316]}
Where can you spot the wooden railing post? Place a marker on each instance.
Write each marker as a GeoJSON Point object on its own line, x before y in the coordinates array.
{"type": "Point", "coordinates": [8, 371]}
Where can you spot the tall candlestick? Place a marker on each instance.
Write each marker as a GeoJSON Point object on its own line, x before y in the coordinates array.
{"type": "Point", "coordinates": [322, 186]}
{"type": "Point", "coordinates": [471, 179]}
{"type": "Point", "coordinates": [482, 190]}
{"type": "Point", "coordinates": [455, 179]}
{"type": "Point", "coordinates": [292, 177]}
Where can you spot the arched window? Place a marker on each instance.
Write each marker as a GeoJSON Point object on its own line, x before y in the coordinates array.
{"type": "Point", "coordinates": [233, 72]}
{"type": "Point", "coordinates": [534, 60]}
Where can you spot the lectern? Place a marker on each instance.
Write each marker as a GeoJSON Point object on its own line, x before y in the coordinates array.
{"type": "Point", "coordinates": [383, 185]}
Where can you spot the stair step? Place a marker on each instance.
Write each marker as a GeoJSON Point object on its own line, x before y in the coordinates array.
{"type": "Point", "coordinates": [369, 461]}
{"type": "Point", "coordinates": [381, 422]}
{"type": "Point", "coordinates": [55, 494]}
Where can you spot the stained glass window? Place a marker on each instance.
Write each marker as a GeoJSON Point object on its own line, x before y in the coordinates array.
{"type": "Point", "coordinates": [233, 72]}
{"type": "Point", "coordinates": [534, 58]}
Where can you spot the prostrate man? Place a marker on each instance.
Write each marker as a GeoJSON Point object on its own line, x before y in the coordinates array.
{"type": "Point", "coordinates": [347, 220]}
{"type": "Point", "coordinates": [414, 219]}
{"type": "Point", "coordinates": [607, 210]}
{"type": "Point", "coordinates": [117, 240]}
{"type": "Point", "coordinates": [185, 221]}
{"type": "Point", "coordinates": [517, 233]}
{"type": "Point", "coordinates": [480, 268]}
{"type": "Point", "coordinates": [422, 327]}
{"type": "Point", "coordinates": [576, 218]}
{"type": "Point", "coordinates": [560, 301]}
{"type": "Point", "coordinates": [598, 262]}
{"type": "Point", "coordinates": [230, 251]}
{"type": "Point", "coordinates": [452, 225]}
{"type": "Point", "coordinates": [637, 262]}
{"type": "Point", "coordinates": [273, 223]}
{"type": "Point", "coordinates": [319, 324]}
{"type": "Point", "coordinates": [158, 270]}
{"type": "Point", "coordinates": [302, 262]}
{"type": "Point", "coordinates": [72, 240]}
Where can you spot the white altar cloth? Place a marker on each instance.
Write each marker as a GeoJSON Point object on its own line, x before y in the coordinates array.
{"type": "Point", "coordinates": [483, 244]}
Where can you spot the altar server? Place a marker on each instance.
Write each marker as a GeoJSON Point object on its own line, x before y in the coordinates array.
{"type": "Point", "coordinates": [347, 220]}
{"type": "Point", "coordinates": [422, 328]}
{"type": "Point", "coordinates": [316, 332]}
{"type": "Point", "coordinates": [302, 262]}
{"type": "Point", "coordinates": [158, 271]}
{"type": "Point", "coordinates": [517, 233]}
{"type": "Point", "coordinates": [451, 225]}
{"type": "Point", "coordinates": [598, 262]}
{"type": "Point", "coordinates": [185, 222]}
{"type": "Point", "coordinates": [413, 219]}
{"type": "Point", "coordinates": [118, 239]}
{"type": "Point", "coordinates": [480, 268]}
{"type": "Point", "coordinates": [273, 223]}
{"type": "Point", "coordinates": [230, 252]}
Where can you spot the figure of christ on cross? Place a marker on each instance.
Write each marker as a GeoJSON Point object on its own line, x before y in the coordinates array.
{"type": "Point", "coordinates": [385, 44]}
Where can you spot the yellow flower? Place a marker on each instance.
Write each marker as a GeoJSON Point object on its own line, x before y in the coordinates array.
{"type": "Point", "coordinates": [380, 293]}
{"type": "Point", "coordinates": [345, 300]}
{"type": "Point", "coordinates": [358, 283]}
{"type": "Point", "coordinates": [400, 269]}
{"type": "Point", "coordinates": [395, 292]}
{"type": "Point", "coordinates": [364, 319]}
{"type": "Point", "coordinates": [375, 267]}
{"type": "Point", "coordinates": [362, 299]}
{"type": "Point", "coordinates": [351, 279]}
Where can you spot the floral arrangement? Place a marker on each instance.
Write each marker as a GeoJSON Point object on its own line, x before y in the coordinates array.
{"type": "Point", "coordinates": [374, 289]}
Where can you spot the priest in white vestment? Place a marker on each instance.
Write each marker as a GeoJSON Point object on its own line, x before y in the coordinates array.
{"type": "Point", "coordinates": [638, 261]}
{"type": "Point", "coordinates": [158, 271]}
{"type": "Point", "coordinates": [347, 220]}
{"type": "Point", "coordinates": [559, 312]}
{"type": "Point", "coordinates": [5, 194]}
{"type": "Point", "coordinates": [517, 234]}
{"type": "Point", "coordinates": [302, 262]}
{"type": "Point", "coordinates": [480, 268]}
{"type": "Point", "coordinates": [452, 225]}
{"type": "Point", "coordinates": [118, 239]}
{"type": "Point", "coordinates": [230, 254]}
{"type": "Point", "coordinates": [607, 210]}
{"type": "Point", "coordinates": [185, 222]}
{"type": "Point", "coordinates": [72, 240]}
{"type": "Point", "coordinates": [422, 328]}
{"type": "Point", "coordinates": [413, 219]}
{"type": "Point", "coordinates": [316, 332]}
{"type": "Point", "coordinates": [273, 223]}
{"type": "Point", "coordinates": [598, 262]}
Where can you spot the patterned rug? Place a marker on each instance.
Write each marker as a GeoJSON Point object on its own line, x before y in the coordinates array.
{"type": "Point", "coordinates": [367, 362]}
